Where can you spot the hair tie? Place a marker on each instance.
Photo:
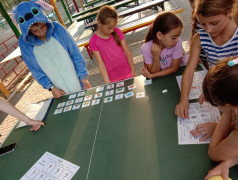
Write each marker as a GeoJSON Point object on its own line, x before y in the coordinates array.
{"type": "Point", "coordinates": [233, 62]}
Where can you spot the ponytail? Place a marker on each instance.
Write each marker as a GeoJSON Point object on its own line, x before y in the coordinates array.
{"type": "Point", "coordinates": [116, 37]}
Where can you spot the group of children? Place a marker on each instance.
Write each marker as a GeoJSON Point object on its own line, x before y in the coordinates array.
{"type": "Point", "coordinates": [57, 64]}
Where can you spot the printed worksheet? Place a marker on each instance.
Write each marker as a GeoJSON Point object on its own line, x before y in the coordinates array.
{"type": "Point", "coordinates": [196, 88]}
{"type": "Point", "coordinates": [51, 167]}
{"type": "Point", "coordinates": [198, 114]}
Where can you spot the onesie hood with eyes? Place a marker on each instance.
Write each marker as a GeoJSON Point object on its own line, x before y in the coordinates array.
{"type": "Point", "coordinates": [28, 13]}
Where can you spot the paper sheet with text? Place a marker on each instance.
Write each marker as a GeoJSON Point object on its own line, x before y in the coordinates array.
{"type": "Point", "coordinates": [51, 167]}
{"type": "Point", "coordinates": [198, 114]}
{"type": "Point", "coordinates": [196, 88]}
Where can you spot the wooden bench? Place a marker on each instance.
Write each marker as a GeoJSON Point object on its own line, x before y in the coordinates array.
{"type": "Point", "coordinates": [130, 11]}
{"type": "Point", "coordinates": [128, 27]}
{"type": "Point", "coordinates": [94, 8]}
{"type": "Point", "coordinates": [94, 13]}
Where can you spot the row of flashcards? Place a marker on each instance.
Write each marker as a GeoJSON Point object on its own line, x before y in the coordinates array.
{"type": "Point", "coordinates": [78, 100]}
{"type": "Point", "coordinates": [70, 107]}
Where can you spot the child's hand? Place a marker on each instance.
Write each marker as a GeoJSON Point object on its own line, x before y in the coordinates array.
{"type": "Point", "coordinates": [202, 99]}
{"type": "Point", "coordinates": [86, 83]}
{"type": "Point", "coordinates": [181, 109]}
{"type": "Point", "coordinates": [155, 50]}
{"type": "Point", "coordinates": [57, 93]}
{"type": "Point", "coordinates": [220, 170]}
{"type": "Point", "coordinates": [205, 129]}
{"type": "Point", "coordinates": [36, 124]}
{"type": "Point", "coordinates": [133, 73]}
{"type": "Point", "coordinates": [146, 73]}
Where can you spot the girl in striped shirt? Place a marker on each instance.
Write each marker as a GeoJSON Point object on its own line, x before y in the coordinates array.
{"type": "Point", "coordinates": [219, 39]}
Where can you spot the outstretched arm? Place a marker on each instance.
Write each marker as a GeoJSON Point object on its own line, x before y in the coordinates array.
{"type": "Point", "coordinates": [6, 107]}
{"type": "Point", "coordinates": [181, 109]}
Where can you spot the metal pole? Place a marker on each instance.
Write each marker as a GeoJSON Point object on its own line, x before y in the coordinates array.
{"type": "Point", "coordinates": [9, 20]}
{"type": "Point", "coordinates": [77, 8]}
{"type": "Point", "coordinates": [81, 3]}
{"type": "Point", "coordinates": [57, 12]}
{"type": "Point", "coordinates": [68, 7]}
{"type": "Point", "coordinates": [67, 12]}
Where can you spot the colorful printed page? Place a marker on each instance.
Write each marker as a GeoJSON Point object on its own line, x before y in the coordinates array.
{"type": "Point", "coordinates": [198, 114]}
{"type": "Point", "coordinates": [196, 89]}
{"type": "Point", "coordinates": [51, 167]}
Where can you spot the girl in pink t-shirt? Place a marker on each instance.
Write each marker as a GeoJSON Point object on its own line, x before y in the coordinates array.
{"type": "Point", "coordinates": [110, 49]}
{"type": "Point", "coordinates": [163, 50]}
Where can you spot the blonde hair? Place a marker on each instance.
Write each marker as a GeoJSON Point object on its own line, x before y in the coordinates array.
{"type": "Point", "coordinates": [105, 15]}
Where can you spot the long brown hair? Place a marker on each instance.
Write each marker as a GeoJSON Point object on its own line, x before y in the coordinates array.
{"type": "Point", "coordinates": [105, 15]}
{"type": "Point", "coordinates": [214, 7]}
{"type": "Point", "coordinates": [163, 23]}
{"type": "Point", "coordinates": [220, 85]}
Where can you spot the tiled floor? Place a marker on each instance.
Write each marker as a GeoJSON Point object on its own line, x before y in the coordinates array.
{"type": "Point", "coordinates": [33, 92]}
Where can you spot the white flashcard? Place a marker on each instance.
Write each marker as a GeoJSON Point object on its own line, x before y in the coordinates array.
{"type": "Point", "coordinates": [69, 102]}
{"type": "Point", "coordinates": [57, 111]}
{"type": "Point", "coordinates": [95, 101]}
{"type": "Point", "coordinates": [82, 93]}
{"type": "Point", "coordinates": [61, 105]}
{"type": "Point", "coordinates": [140, 94]}
{"type": "Point", "coordinates": [51, 167]}
{"type": "Point", "coordinates": [100, 88]}
{"type": "Point", "coordinates": [78, 100]}
{"type": "Point", "coordinates": [120, 90]}
{"type": "Point", "coordinates": [88, 98]}
{"type": "Point", "coordinates": [198, 114]}
{"type": "Point", "coordinates": [108, 99]}
{"type": "Point", "coordinates": [111, 92]}
{"type": "Point", "coordinates": [129, 94]}
{"type": "Point", "coordinates": [120, 84]}
{"type": "Point", "coordinates": [72, 96]}
{"type": "Point", "coordinates": [119, 96]}
{"type": "Point", "coordinates": [110, 86]}
{"type": "Point", "coordinates": [133, 86]}
{"type": "Point", "coordinates": [86, 104]}
{"type": "Point", "coordinates": [98, 95]}
{"type": "Point", "coordinates": [76, 106]}
{"type": "Point", "coordinates": [67, 108]}
{"type": "Point", "coordinates": [148, 82]}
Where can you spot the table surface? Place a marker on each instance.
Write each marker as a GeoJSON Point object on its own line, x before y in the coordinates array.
{"type": "Point", "coordinates": [123, 139]}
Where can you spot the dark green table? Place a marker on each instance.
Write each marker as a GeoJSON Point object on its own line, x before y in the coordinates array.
{"type": "Point", "coordinates": [127, 139]}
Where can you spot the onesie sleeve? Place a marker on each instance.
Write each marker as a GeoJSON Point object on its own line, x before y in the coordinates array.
{"type": "Point", "coordinates": [75, 54]}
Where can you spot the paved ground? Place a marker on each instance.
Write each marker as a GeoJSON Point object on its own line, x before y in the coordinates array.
{"type": "Point", "coordinates": [33, 92]}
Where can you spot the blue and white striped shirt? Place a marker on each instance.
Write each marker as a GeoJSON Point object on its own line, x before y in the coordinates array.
{"type": "Point", "coordinates": [214, 52]}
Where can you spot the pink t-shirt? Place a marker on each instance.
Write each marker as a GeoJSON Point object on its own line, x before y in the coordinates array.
{"type": "Point", "coordinates": [166, 55]}
{"type": "Point", "coordinates": [112, 55]}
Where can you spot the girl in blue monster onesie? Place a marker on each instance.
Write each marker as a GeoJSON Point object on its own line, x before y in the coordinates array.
{"type": "Point", "coordinates": [49, 51]}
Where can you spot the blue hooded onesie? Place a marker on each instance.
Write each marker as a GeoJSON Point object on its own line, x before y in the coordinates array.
{"type": "Point", "coordinates": [28, 13]}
